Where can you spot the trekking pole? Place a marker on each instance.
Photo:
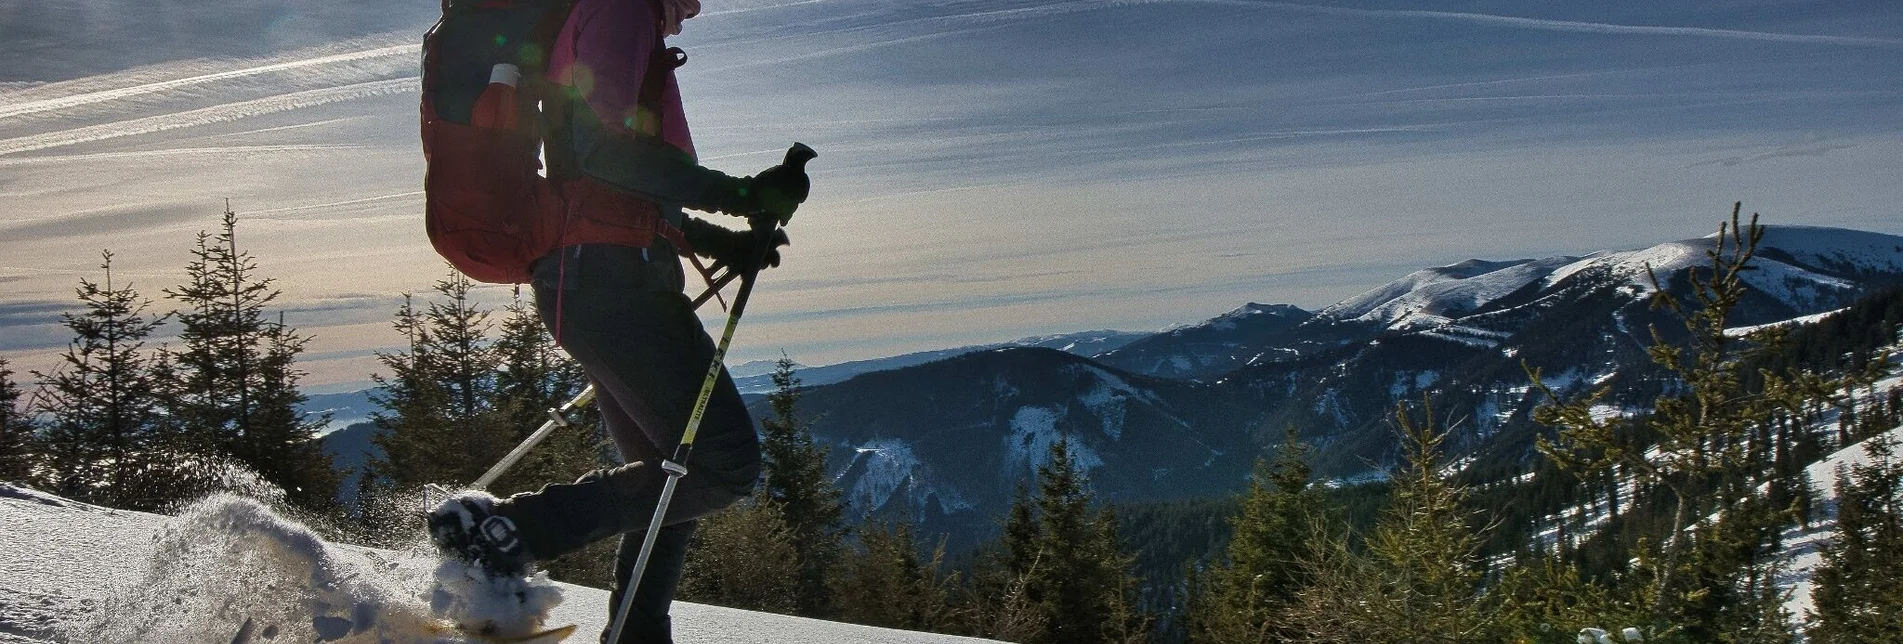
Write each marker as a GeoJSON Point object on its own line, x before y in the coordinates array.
{"type": "Point", "coordinates": [763, 227]}
{"type": "Point", "coordinates": [558, 417]}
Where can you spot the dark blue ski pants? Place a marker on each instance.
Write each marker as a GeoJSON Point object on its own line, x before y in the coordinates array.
{"type": "Point", "coordinates": [620, 312]}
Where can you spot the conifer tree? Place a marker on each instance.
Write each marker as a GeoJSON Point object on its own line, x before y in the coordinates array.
{"type": "Point", "coordinates": [108, 440]}
{"type": "Point", "coordinates": [998, 600]}
{"type": "Point", "coordinates": [1855, 592]}
{"type": "Point", "coordinates": [535, 377]}
{"type": "Point", "coordinates": [1703, 444]}
{"type": "Point", "coordinates": [414, 414]}
{"type": "Point", "coordinates": [442, 423]}
{"type": "Point", "coordinates": [1077, 574]}
{"type": "Point", "coordinates": [1023, 534]}
{"type": "Point", "coordinates": [1247, 597]}
{"type": "Point", "coordinates": [743, 558]}
{"type": "Point", "coordinates": [1419, 579]}
{"type": "Point", "coordinates": [888, 583]}
{"type": "Point", "coordinates": [797, 481]}
{"type": "Point", "coordinates": [19, 434]}
{"type": "Point", "coordinates": [235, 377]}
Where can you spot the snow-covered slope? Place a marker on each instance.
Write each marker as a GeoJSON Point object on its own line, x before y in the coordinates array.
{"type": "Point", "coordinates": [1802, 267]}
{"type": "Point", "coordinates": [1803, 546]}
{"type": "Point", "coordinates": [1431, 296]}
{"type": "Point", "coordinates": [71, 572]}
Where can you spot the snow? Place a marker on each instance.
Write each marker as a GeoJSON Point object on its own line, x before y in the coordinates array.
{"type": "Point", "coordinates": [1109, 397]}
{"type": "Point", "coordinates": [1405, 381]}
{"type": "Point", "coordinates": [1803, 548]}
{"type": "Point", "coordinates": [1803, 289]}
{"type": "Point", "coordinates": [1424, 298]}
{"type": "Point", "coordinates": [1033, 431]}
{"type": "Point", "coordinates": [1838, 249]}
{"type": "Point", "coordinates": [71, 572]}
{"type": "Point", "coordinates": [890, 463]}
{"type": "Point", "coordinates": [1828, 249]}
{"type": "Point", "coordinates": [1739, 332]}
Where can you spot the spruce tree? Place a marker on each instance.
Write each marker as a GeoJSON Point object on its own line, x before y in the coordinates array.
{"type": "Point", "coordinates": [743, 558]}
{"type": "Point", "coordinates": [887, 582]}
{"type": "Point", "coordinates": [998, 600]}
{"type": "Point", "coordinates": [19, 434]}
{"type": "Point", "coordinates": [442, 422]}
{"type": "Point", "coordinates": [798, 482]}
{"type": "Point", "coordinates": [413, 419]}
{"type": "Point", "coordinates": [1855, 592]}
{"type": "Point", "coordinates": [108, 440]}
{"type": "Point", "coordinates": [235, 377]}
{"type": "Point", "coordinates": [1079, 577]}
{"type": "Point", "coordinates": [535, 377]}
{"type": "Point", "coordinates": [1246, 598]}
{"type": "Point", "coordinates": [1705, 443]}
{"type": "Point", "coordinates": [1419, 579]}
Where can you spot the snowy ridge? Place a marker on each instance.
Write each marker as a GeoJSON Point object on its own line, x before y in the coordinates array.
{"type": "Point", "coordinates": [1804, 267]}
{"type": "Point", "coordinates": [1228, 321]}
{"type": "Point", "coordinates": [1431, 296]}
{"type": "Point", "coordinates": [1838, 250]}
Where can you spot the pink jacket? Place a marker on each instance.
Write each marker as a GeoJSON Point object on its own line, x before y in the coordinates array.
{"type": "Point", "coordinates": [603, 51]}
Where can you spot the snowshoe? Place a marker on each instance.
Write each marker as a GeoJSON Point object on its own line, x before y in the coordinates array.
{"type": "Point", "coordinates": [465, 526]}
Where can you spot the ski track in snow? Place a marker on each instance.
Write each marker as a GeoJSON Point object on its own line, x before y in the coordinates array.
{"type": "Point", "coordinates": [71, 572]}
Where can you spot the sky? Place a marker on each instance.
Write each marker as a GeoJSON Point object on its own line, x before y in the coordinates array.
{"type": "Point", "coordinates": [988, 170]}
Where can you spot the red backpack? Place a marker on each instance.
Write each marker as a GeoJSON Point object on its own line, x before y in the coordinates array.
{"type": "Point", "coordinates": [487, 209]}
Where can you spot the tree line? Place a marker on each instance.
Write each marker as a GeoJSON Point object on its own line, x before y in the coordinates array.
{"type": "Point", "coordinates": [123, 423]}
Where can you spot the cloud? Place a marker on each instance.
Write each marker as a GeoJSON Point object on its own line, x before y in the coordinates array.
{"type": "Point", "coordinates": [87, 98]}
{"type": "Point", "coordinates": [1543, 24]}
{"type": "Point", "coordinates": [1811, 149]}
{"type": "Point", "coordinates": [112, 222]}
{"type": "Point", "coordinates": [209, 115]}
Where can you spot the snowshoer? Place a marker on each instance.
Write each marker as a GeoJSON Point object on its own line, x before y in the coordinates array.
{"type": "Point", "coordinates": [612, 294]}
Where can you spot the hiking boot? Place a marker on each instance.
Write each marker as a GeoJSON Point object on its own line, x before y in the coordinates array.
{"type": "Point", "coordinates": [466, 526]}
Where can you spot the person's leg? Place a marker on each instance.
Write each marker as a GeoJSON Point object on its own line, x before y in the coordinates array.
{"type": "Point", "coordinates": [625, 320]}
{"type": "Point", "coordinates": [649, 621]}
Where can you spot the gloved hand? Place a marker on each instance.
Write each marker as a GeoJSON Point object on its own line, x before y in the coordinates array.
{"type": "Point", "coordinates": [775, 192]}
{"type": "Point", "coordinates": [782, 188]}
{"type": "Point", "coordinates": [735, 249]}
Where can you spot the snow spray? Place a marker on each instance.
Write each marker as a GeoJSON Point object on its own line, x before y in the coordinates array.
{"type": "Point", "coordinates": [228, 569]}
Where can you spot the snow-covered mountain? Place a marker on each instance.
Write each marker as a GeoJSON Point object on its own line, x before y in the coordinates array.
{"type": "Point", "coordinates": [81, 574]}
{"type": "Point", "coordinates": [947, 442]}
{"type": "Point", "coordinates": [934, 438]}
{"type": "Point", "coordinates": [946, 435]}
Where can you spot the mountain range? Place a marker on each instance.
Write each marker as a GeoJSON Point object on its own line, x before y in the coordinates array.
{"type": "Point", "coordinates": [1186, 412]}
{"type": "Point", "coordinates": [947, 436]}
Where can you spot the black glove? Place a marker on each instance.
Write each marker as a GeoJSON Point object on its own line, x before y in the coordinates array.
{"type": "Point", "coordinates": [736, 249]}
{"type": "Point", "coordinates": [776, 191]}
